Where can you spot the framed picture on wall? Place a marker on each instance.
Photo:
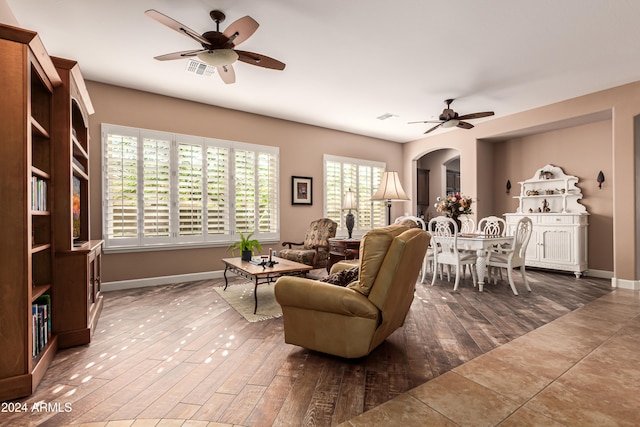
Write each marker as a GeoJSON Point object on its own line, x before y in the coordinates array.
{"type": "Point", "coordinates": [301, 190]}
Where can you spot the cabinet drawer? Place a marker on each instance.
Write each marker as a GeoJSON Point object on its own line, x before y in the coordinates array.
{"type": "Point", "coordinates": [513, 219]}
{"type": "Point", "coordinates": [558, 219]}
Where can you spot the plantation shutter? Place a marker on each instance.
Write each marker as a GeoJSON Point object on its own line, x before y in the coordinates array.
{"type": "Point", "coordinates": [156, 183]}
{"type": "Point", "coordinates": [333, 192]}
{"type": "Point", "coordinates": [256, 191]}
{"type": "Point", "coordinates": [245, 186]}
{"type": "Point", "coordinates": [378, 209]}
{"type": "Point", "coordinates": [120, 181]}
{"type": "Point", "coordinates": [267, 193]}
{"type": "Point", "coordinates": [190, 189]}
{"type": "Point", "coordinates": [218, 196]}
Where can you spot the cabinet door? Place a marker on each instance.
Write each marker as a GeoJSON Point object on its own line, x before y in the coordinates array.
{"type": "Point", "coordinates": [556, 245]}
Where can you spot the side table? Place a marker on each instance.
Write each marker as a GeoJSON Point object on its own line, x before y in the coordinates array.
{"type": "Point", "coordinates": [341, 249]}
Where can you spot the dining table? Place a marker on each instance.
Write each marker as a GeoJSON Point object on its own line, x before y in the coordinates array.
{"type": "Point", "coordinates": [482, 244]}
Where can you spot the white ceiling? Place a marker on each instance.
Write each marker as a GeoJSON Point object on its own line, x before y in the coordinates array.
{"type": "Point", "coordinates": [349, 62]}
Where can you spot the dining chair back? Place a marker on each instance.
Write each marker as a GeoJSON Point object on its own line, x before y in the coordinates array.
{"type": "Point", "coordinates": [468, 225]}
{"type": "Point", "coordinates": [514, 256]}
{"type": "Point", "coordinates": [492, 225]}
{"type": "Point", "coordinates": [444, 238]}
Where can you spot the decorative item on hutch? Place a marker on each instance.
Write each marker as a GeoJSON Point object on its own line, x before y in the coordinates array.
{"type": "Point", "coordinates": [559, 238]}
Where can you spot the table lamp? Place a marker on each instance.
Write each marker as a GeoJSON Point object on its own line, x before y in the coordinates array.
{"type": "Point", "coordinates": [390, 190]}
{"type": "Point", "coordinates": [350, 203]}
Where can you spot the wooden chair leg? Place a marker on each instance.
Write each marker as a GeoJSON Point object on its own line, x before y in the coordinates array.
{"type": "Point", "coordinates": [524, 278]}
{"type": "Point", "coordinates": [510, 276]}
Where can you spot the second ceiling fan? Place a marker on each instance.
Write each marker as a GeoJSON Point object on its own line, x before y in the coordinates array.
{"type": "Point", "coordinates": [450, 118]}
{"type": "Point", "coordinates": [218, 48]}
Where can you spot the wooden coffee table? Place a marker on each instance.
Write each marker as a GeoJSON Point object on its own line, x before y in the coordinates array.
{"type": "Point", "coordinates": [263, 274]}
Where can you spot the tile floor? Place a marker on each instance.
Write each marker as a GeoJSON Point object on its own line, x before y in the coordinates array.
{"type": "Point", "coordinates": [579, 370]}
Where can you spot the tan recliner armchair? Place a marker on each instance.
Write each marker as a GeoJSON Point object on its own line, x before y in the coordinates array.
{"type": "Point", "coordinates": [351, 321]}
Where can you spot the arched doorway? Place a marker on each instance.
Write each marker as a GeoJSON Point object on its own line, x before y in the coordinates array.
{"type": "Point", "coordinates": [438, 173]}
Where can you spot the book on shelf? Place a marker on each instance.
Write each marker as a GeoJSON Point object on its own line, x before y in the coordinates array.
{"type": "Point", "coordinates": [41, 323]}
{"type": "Point", "coordinates": [38, 194]}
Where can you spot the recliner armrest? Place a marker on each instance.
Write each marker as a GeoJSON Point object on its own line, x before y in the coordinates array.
{"type": "Point", "coordinates": [311, 294]}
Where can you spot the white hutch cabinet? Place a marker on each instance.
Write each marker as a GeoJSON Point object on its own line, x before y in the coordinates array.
{"type": "Point", "coordinates": [559, 238]}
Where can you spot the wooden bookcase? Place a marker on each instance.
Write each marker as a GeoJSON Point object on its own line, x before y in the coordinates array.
{"type": "Point", "coordinates": [44, 150]}
{"type": "Point", "coordinates": [26, 181]}
{"type": "Point", "coordinates": [77, 258]}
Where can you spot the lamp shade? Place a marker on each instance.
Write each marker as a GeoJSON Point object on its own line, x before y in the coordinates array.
{"type": "Point", "coordinates": [390, 188]}
{"type": "Point", "coordinates": [218, 57]}
{"type": "Point", "coordinates": [349, 200]}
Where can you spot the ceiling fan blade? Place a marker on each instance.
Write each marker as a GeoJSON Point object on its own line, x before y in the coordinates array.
{"type": "Point", "coordinates": [465, 125]}
{"type": "Point", "coordinates": [179, 55]}
{"type": "Point", "coordinates": [240, 30]}
{"type": "Point", "coordinates": [259, 60]}
{"type": "Point", "coordinates": [176, 26]}
{"type": "Point", "coordinates": [433, 128]}
{"type": "Point", "coordinates": [426, 121]}
{"type": "Point", "coordinates": [476, 115]}
{"type": "Point", "coordinates": [227, 73]}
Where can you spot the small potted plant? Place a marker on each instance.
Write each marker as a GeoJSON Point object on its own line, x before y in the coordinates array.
{"type": "Point", "coordinates": [246, 245]}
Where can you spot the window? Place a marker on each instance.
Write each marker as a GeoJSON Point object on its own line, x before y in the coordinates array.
{"type": "Point", "coordinates": [363, 178]}
{"type": "Point", "coordinates": [162, 189]}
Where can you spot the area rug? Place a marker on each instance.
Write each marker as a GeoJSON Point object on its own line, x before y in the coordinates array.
{"type": "Point", "coordinates": [240, 298]}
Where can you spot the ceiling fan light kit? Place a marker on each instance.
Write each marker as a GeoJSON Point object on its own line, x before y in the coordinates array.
{"type": "Point", "coordinates": [218, 57]}
{"type": "Point", "coordinates": [451, 123]}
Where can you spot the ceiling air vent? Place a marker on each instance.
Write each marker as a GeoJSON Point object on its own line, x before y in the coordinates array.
{"type": "Point", "coordinates": [200, 68]}
{"type": "Point", "coordinates": [386, 116]}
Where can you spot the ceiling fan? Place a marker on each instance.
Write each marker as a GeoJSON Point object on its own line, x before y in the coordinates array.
{"type": "Point", "coordinates": [218, 48]}
{"type": "Point", "coordinates": [450, 118]}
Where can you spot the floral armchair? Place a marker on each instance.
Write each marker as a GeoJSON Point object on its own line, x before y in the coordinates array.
{"type": "Point", "coordinates": [315, 247]}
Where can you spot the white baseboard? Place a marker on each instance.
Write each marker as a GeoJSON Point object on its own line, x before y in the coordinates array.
{"type": "Point", "coordinates": [163, 280]}
{"type": "Point", "coordinates": [634, 285]}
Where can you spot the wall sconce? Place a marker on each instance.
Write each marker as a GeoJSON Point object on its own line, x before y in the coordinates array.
{"type": "Point", "coordinates": [600, 180]}
{"type": "Point", "coordinates": [508, 186]}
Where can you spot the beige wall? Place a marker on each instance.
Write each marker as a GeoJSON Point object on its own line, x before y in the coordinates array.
{"type": "Point", "coordinates": [581, 149]}
{"type": "Point", "coordinates": [301, 153]}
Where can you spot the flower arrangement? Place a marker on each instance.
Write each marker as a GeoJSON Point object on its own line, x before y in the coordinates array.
{"type": "Point", "coordinates": [454, 205]}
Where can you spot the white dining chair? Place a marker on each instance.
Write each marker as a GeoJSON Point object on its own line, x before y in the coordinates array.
{"type": "Point", "coordinates": [468, 225]}
{"type": "Point", "coordinates": [513, 256]}
{"type": "Point", "coordinates": [444, 238]}
{"type": "Point", "coordinates": [492, 225]}
{"type": "Point", "coordinates": [428, 258]}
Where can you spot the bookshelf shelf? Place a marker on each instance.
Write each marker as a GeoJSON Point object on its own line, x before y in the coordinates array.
{"type": "Point", "coordinates": [38, 291]}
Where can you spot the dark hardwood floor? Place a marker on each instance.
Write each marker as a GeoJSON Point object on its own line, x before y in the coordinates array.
{"type": "Point", "coordinates": [180, 351]}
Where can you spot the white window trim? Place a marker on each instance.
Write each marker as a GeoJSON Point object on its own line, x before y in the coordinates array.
{"type": "Point", "coordinates": [140, 243]}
